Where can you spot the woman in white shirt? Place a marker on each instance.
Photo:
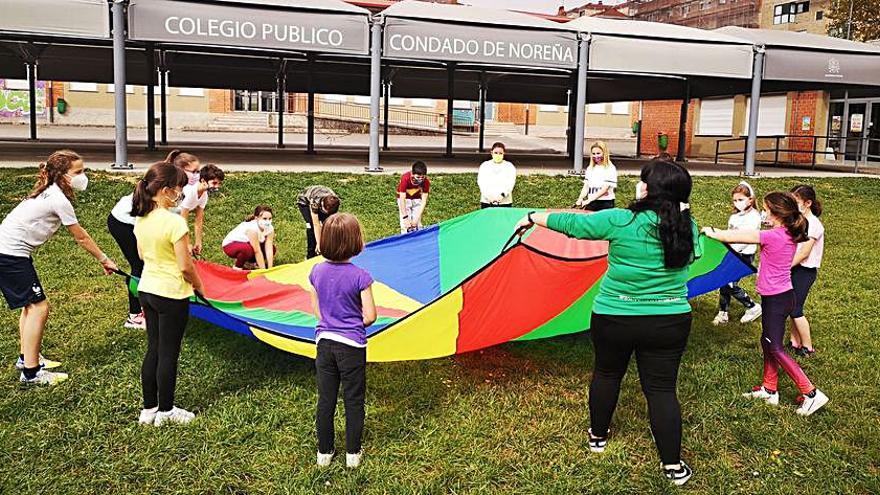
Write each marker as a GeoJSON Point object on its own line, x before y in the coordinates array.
{"type": "Point", "coordinates": [600, 180]}
{"type": "Point", "coordinates": [250, 241]}
{"type": "Point", "coordinates": [496, 179]}
{"type": "Point", "coordinates": [27, 227]}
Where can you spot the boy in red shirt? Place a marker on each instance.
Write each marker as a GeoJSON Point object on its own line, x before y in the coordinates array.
{"type": "Point", "coordinates": [412, 197]}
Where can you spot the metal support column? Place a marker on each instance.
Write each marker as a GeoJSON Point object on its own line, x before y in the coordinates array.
{"type": "Point", "coordinates": [754, 107]}
{"type": "Point", "coordinates": [450, 97]}
{"type": "Point", "coordinates": [279, 99]}
{"type": "Point", "coordinates": [163, 105]}
{"type": "Point", "coordinates": [310, 107]}
{"type": "Point", "coordinates": [375, 92]}
{"type": "Point", "coordinates": [682, 124]}
{"type": "Point", "coordinates": [483, 90]}
{"type": "Point", "coordinates": [151, 97]}
{"type": "Point", "coordinates": [386, 112]}
{"type": "Point", "coordinates": [580, 102]}
{"type": "Point", "coordinates": [32, 95]}
{"type": "Point", "coordinates": [118, 10]}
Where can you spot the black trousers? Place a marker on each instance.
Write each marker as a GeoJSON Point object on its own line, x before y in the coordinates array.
{"type": "Point", "coordinates": [600, 204]}
{"type": "Point", "coordinates": [166, 322]}
{"type": "Point", "coordinates": [490, 205]}
{"type": "Point", "coordinates": [311, 242]}
{"type": "Point", "coordinates": [339, 363]}
{"type": "Point", "coordinates": [123, 233]}
{"type": "Point", "coordinates": [735, 291]}
{"type": "Point", "coordinates": [658, 342]}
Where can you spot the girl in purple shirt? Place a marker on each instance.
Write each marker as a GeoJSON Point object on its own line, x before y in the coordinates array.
{"type": "Point", "coordinates": [778, 247]}
{"type": "Point", "coordinates": [343, 301]}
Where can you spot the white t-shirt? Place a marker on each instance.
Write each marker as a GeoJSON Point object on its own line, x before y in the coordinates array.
{"type": "Point", "coordinates": [745, 220]}
{"type": "Point", "coordinates": [496, 179]}
{"type": "Point", "coordinates": [597, 176]}
{"type": "Point", "coordinates": [239, 233]}
{"type": "Point", "coordinates": [191, 199]}
{"type": "Point", "coordinates": [815, 231]}
{"type": "Point", "coordinates": [30, 224]}
{"type": "Point", "coordinates": [122, 210]}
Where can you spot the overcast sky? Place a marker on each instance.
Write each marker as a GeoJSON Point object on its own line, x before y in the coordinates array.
{"type": "Point", "coordinates": [543, 6]}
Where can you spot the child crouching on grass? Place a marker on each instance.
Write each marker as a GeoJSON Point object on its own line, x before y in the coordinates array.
{"type": "Point", "coordinates": [343, 301]}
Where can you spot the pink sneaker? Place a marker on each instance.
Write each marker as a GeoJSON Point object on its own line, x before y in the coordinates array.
{"type": "Point", "coordinates": [137, 322]}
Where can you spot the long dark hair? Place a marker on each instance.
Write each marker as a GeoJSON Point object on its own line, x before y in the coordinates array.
{"type": "Point", "coordinates": [784, 207]}
{"type": "Point", "coordinates": [160, 175]}
{"type": "Point", "coordinates": [805, 192]}
{"type": "Point", "coordinates": [52, 171]}
{"type": "Point", "coordinates": [669, 185]}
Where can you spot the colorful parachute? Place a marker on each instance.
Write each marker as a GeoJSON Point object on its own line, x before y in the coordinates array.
{"type": "Point", "coordinates": [444, 290]}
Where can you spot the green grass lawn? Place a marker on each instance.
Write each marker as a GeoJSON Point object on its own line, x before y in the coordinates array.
{"type": "Point", "coordinates": [511, 419]}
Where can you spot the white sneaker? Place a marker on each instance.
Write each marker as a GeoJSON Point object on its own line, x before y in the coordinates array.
{"type": "Point", "coordinates": [751, 314]}
{"type": "Point", "coordinates": [678, 474]}
{"type": "Point", "coordinates": [353, 460]}
{"type": "Point", "coordinates": [175, 415]}
{"type": "Point", "coordinates": [809, 405]}
{"type": "Point", "coordinates": [148, 416]}
{"type": "Point", "coordinates": [46, 364]}
{"type": "Point", "coordinates": [44, 377]}
{"type": "Point", "coordinates": [762, 393]}
{"type": "Point", "coordinates": [136, 322]}
{"type": "Point", "coordinates": [597, 444]}
{"type": "Point", "coordinates": [720, 319]}
{"type": "Point", "coordinates": [324, 460]}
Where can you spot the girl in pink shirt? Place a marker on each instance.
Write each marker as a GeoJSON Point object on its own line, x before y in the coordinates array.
{"type": "Point", "coordinates": [778, 247]}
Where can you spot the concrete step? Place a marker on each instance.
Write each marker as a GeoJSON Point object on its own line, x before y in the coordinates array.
{"type": "Point", "coordinates": [502, 128]}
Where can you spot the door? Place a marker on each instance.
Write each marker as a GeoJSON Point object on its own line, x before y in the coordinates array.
{"type": "Point", "coordinates": [874, 133]}
{"type": "Point", "coordinates": [855, 130]}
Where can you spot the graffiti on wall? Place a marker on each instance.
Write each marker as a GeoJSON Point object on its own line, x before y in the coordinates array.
{"type": "Point", "coordinates": [16, 102]}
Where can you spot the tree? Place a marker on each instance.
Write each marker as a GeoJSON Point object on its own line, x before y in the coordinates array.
{"type": "Point", "coordinates": [865, 19]}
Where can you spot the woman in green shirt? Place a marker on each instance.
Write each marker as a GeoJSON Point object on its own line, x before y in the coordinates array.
{"type": "Point", "coordinates": [642, 304]}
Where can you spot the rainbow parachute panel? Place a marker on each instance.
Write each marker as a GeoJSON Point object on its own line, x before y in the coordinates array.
{"type": "Point", "coordinates": [444, 290]}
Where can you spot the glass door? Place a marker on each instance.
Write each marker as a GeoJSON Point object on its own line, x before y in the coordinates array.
{"type": "Point", "coordinates": [873, 131]}
{"type": "Point", "coordinates": [855, 130]}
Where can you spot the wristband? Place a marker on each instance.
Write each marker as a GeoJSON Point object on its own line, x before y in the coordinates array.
{"type": "Point", "coordinates": [405, 217]}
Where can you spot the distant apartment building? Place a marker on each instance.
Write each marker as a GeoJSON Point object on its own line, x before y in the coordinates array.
{"type": "Point", "coordinates": [703, 14]}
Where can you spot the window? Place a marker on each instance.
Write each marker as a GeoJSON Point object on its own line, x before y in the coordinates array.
{"type": "Point", "coordinates": [129, 89]}
{"type": "Point", "coordinates": [191, 92]}
{"type": "Point", "coordinates": [548, 108]}
{"type": "Point", "coordinates": [596, 108]}
{"type": "Point", "coordinates": [422, 102]}
{"type": "Point", "coordinates": [17, 84]}
{"type": "Point", "coordinates": [716, 117]}
{"type": "Point", "coordinates": [362, 100]}
{"type": "Point", "coordinates": [78, 86]}
{"type": "Point", "coordinates": [620, 108]}
{"type": "Point", "coordinates": [334, 98]}
{"type": "Point", "coordinates": [820, 14]}
{"type": "Point", "coordinates": [771, 115]}
{"type": "Point", "coordinates": [786, 12]}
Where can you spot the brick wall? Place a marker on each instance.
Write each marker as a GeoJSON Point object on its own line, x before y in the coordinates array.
{"type": "Point", "coordinates": [219, 101]}
{"type": "Point", "coordinates": [663, 116]}
{"type": "Point", "coordinates": [515, 112]}
{"type": "Point", "coordinates": [803, 104]}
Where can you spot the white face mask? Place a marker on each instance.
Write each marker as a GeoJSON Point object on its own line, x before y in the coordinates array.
{"type": "Point", "coordinates": [265, 224]}
{"type": "Point", "coordinates": [79, 182]}
{"type": "Point", "coordinates": [641, 190]}
{"type": "Point", "coordinates": [741, 204]}
{"type": "Point", "coordinates": [193, 177]}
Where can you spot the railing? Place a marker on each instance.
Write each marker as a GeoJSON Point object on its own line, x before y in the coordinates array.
{"type": "Point", "coordinates": [865, 149]}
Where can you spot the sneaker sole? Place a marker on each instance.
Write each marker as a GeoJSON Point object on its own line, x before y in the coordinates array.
{"type": "Point", "coordinates": [749, 320]}
{"type": "Point", "coordinates": [133, 326]}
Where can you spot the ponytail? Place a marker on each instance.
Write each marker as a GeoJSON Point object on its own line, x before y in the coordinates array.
{"type": "Point", "coordinates": [805, 192]}
{"type": "Point", "coordinates": [159, 176]}
{"type": "Point", "coordinates": [52, 171]}
{"type": "Point", "coordinates": [180, 159]}
{"type": "Point", "coordinates": [257, 212]}
{"type": "Point", "coordinates": [784, 207]}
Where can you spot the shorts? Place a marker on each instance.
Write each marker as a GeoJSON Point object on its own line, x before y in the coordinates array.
{"type": "Point", "coordinates": [802, 279]}
{"type": "Point", "coordinates": [19, 282]}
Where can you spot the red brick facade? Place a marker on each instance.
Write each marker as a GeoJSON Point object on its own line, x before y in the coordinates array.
{"type": "Point", "coordinates": [803, 104]}
{"type": "Point", "coordinates": [219, 101]}
{"type": "Point", "coordinates": [663, 116]}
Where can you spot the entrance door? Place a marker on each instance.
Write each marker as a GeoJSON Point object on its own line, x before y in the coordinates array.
{"type": "Point", "coordinates": [874, 133]}
{"type": "Point", "coordinates": [254, 101]}
{"type": "Point", "coordinates": [855, 129]}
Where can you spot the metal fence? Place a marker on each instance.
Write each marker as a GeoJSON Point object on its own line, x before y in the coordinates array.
{"type": "Point", "coordinates": [858, 150]}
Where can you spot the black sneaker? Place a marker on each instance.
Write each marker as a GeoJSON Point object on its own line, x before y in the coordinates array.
{"type": "Point", "coordinates": [678, 476]}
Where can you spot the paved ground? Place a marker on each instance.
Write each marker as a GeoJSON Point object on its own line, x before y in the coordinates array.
{"type": "Point", "coordinates": [246, 152]}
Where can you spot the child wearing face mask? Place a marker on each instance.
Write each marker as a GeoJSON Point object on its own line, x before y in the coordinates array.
{"type": "Point", "coordinates": [195, 198]}
{"type": "Point", "coordinates": [168, 282]}
{"type": "Point", "coordinates": [788, 227]}
{"type": "Point", "coordinates": [27, 227]}
{"type": "Point", "coordinates": [805, 267]}
{"type": "Point", "coordinates": [412, 197]}
{"type": "Point", "coordinates": [252, 242]}
{"type": "Point", "coordinates": [744, 217]}
{"type": "Point", "coordinates": [496, 179]}
{"type": "Point", "coordinates": [600, 180]}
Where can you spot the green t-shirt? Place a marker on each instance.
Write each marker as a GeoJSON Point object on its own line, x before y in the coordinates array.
{"type": "Point", "coordinates": [637, 281]}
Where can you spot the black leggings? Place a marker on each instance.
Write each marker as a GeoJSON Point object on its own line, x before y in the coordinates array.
{"type": "Point", "coordinates": [339, 363]}
{"type": "Point", "coordinates": [311, 243]}
{"type": "Point", "coordinates": [166, 321]}
{"type": "Point", "coordinates": [123, 233]}
{"type": "Point", "coordinates": [659, 342]}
